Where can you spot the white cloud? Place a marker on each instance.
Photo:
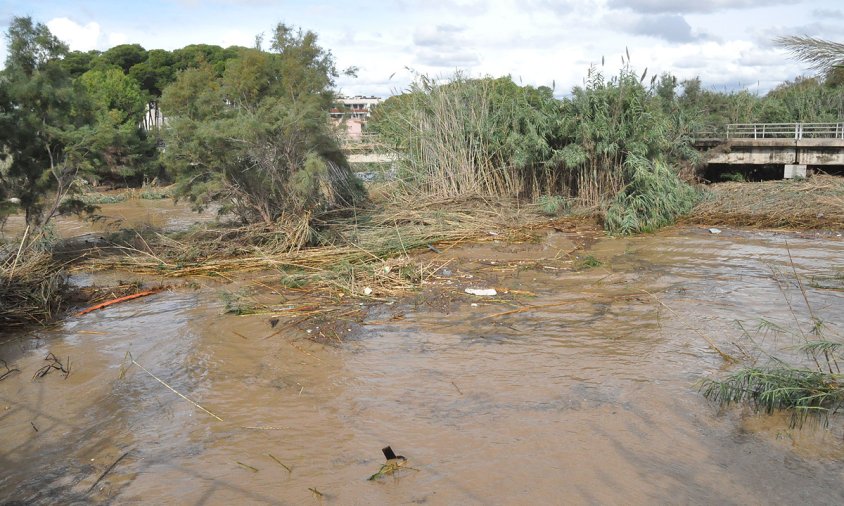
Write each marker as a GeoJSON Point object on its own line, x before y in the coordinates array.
{"type": "Point", "coordinates": [537, 42]}
{"type": "Point", "coordinates": [78, 37]}
{"type": "Point", "coordinates": [687, 6]}
{"type": "Point", "coordinates": [85, 37]}
{"type": "Point", "coordinates": [116, 39]}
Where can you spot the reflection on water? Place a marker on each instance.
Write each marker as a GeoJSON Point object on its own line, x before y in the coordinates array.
{"type": "Point", "coordinates": [588, 397]}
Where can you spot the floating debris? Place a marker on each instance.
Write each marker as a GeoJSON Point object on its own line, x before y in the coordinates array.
{"type": "Point", "coordinates": [247, 466]}
{"type": "Point", "coordinates": [482, 292]}
{"type": "Point", "coordinates": [54, 363]}
{"type": "Point", "coordinates": [270, 455]}
{"type": "Point", "coordinates": [393, 464]}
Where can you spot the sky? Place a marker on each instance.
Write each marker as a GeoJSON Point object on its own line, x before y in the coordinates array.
{"type": "Point", "coordinates": [727, 43]}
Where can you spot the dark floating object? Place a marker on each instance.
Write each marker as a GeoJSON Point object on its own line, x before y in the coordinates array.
{"type": "Point", "coordinates": [391, 455]}
{"type": "Point", "coordinates": [394, 463]}
{"type": "Point", "coordinates": [273, 322]}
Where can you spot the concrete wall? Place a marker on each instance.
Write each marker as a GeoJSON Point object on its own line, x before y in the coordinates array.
{"type": "Point", "coordinates": [779, 152]}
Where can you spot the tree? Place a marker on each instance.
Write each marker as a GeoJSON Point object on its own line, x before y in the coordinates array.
{"type": "Point", "coordinates": [77, 63]}
{"type": "Point", "coordinates": [120, 147]}
{"type": "Point", "coordinates": [155, 73]}
{"type": "Point", "coordinates": [124, 56]}
{"type": "Point", "coordinates": [257, 139]}
{"type": "Point", "coordinates": [48, 143]}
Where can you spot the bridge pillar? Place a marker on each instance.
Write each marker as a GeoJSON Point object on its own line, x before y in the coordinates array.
{"type": "Point", "coordinates": [791, 171]}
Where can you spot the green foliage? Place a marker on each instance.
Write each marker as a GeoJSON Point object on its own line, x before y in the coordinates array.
{"type": "Point", "coordinates": [589, 262]}
{"type": "Point", "coordinates": [805, 393]}
{"type": "Point", "coordinates": [50, 118]}
{"type": "Point", "coordinates": [802, 100]}
{"type": "Point", "coordinates": [471, 136]}
{"type": "Point", "coordinates": [102, 198]}
{"type": "Point", "coordinates": [112, 92]}
{"type": "Point", "coordinates": [77, 63]}
{"type": "Point", "coordinates": [124, 56]}
{"type": "Point", "coordinates": [605, 123]}
{"type": "Point", "coordinates": [654, 198]}
{"type": "Point", "coordinates": [123, 151]}
{"type": "Point", "coordinates": [256, 139]}
{"type": "Point", "coordinates": [737, 177]}
{"type": "Point", "coordinates": [553, 205]}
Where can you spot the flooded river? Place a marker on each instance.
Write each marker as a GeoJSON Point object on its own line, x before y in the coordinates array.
{"type": "Point", "coordinates": [581, 394]}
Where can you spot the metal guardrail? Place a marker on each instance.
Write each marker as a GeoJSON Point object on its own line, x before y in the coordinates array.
{"type": "Point", "coordinates": [795, 131]}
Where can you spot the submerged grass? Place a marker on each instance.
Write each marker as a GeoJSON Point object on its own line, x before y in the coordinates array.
{"type": "Point", "coordinates": [803, 379]}
{"type": "Point", "coordinates": [805, 393]}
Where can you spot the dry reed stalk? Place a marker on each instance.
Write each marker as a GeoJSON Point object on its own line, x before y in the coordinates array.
{"type": "Point", "coordinates": [156, 378]}
{"type": "Point", "coordinates": [32, 287]}
{"type": "Point", "coordinates": [814, 203]}
{"type": "Point", "coordinates": [727, 357]}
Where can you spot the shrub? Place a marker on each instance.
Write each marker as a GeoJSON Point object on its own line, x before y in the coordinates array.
{"type": "Point", "coordinates": [654, 198]}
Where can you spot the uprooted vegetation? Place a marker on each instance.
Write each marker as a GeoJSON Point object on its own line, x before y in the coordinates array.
{"type": "Point", "coordinates": [33, 286]}
{"type": "Point", "coordinates": [351, 251]}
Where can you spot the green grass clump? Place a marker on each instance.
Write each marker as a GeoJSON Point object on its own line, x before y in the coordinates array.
{"type": "Point", "coordinates": [102, 198]}
{"type": "Point", "coordinates": [154, 194]}
{"type": "Point", "coordinates": [654, 198]}
{"type": "Point", "coordinates": [736, 177]}
{"type": "Point", "coordinates": [239, 303]}
{"type": "Point", "coordinates": [553, 205]}
{"type": "Point", "coordinates": [589, 262]}
{"type": "Point", "coordinates": [803, 379]}
{"type": "Point", "coordinates": [806, 393]}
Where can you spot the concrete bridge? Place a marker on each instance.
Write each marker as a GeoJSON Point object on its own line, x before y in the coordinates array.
{"type": "Point", "coordinates": [794, 146]}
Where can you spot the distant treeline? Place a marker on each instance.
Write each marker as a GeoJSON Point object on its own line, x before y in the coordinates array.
{"type": "Point", "coordinates": [248, 127]}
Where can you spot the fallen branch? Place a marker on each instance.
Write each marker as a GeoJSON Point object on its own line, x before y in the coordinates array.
{"type": "Point", "coordinates": [8, 370]}
{"type": "Point", "coordinates": [118, 300]}
{"type": "Point", "coordinates": [108, 470]}
{"type": "Point", "coordinates": [54, 363]}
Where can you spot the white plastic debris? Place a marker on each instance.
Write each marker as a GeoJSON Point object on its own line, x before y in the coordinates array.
{"type": "Point", "coordinates": [474, 304]}
{"type": "Point", "coordinates": [367, 291]}
{"type": "Point", "coordinates": [714, 230]}
{"type": "Point", "coordinates": [482, 292]}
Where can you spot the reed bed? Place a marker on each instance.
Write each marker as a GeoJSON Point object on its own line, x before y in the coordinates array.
{"type": "Point", "coordinates": [813, 203]}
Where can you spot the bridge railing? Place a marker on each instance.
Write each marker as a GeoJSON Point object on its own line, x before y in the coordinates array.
{"type": "Point", "coordinates": [795, 131]}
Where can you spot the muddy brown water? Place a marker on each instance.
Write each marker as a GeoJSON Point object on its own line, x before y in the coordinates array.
{"type": "Point", "coordinates": [131, 213]}
{"type": "Point", "coordinates": [589, 398]}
